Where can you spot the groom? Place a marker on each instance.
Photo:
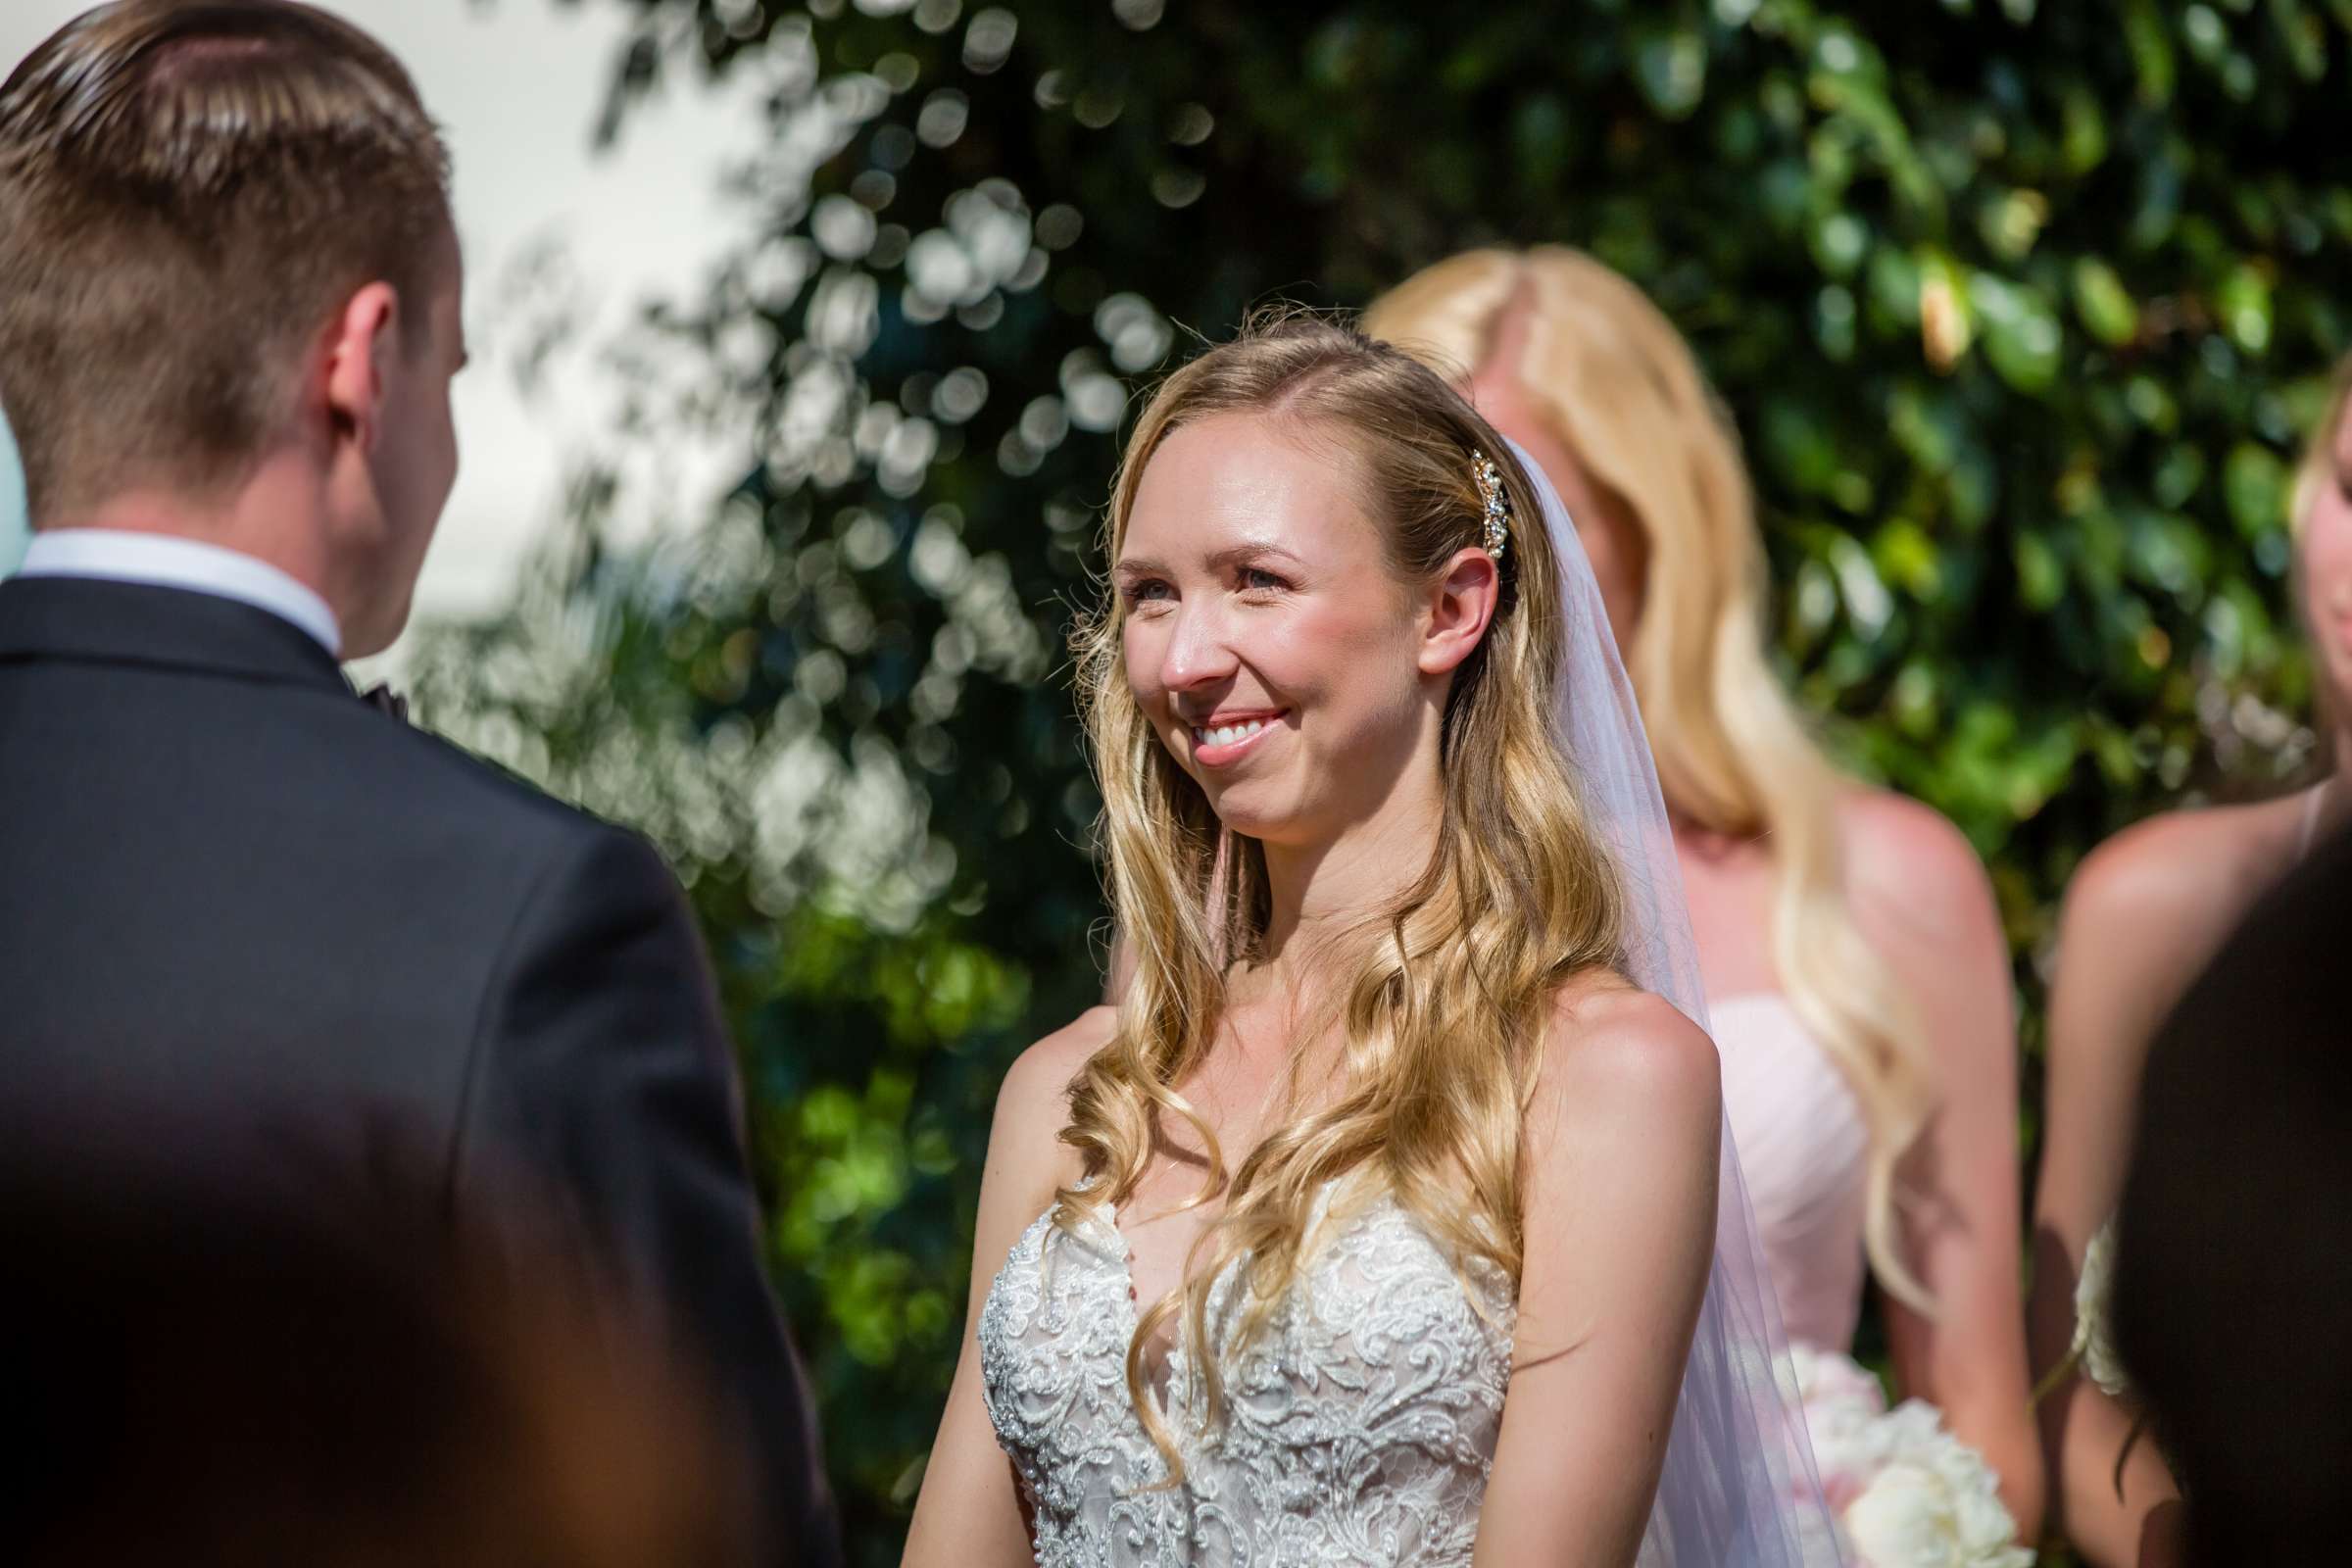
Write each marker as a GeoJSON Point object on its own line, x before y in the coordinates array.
{"type": "Point", "coordinates": [230, 889]}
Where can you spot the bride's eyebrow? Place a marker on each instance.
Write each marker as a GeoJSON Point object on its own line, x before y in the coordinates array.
{"type": "Point", "coordinates": [1250, 554]}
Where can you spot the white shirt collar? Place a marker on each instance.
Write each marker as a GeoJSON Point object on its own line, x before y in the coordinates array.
{"type": "Point", "coordinates": [166, 560]}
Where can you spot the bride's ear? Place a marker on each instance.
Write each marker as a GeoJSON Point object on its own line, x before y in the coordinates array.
{"type": "Point", "coordinates": [1460, 605]}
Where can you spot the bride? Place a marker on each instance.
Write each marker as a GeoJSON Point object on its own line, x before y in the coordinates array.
{"type": "Point", "coordinates": [1381, 1221]}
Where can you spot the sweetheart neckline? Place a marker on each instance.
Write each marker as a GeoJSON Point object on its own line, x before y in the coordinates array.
{"type": "Point", "coordinates": [1122, 1257]}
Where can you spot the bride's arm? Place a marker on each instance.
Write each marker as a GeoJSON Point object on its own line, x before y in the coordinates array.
{"type": "Point", "coordinates": [968, 1514]}
{"type": "Point", "coordinates": [1620, 1205]}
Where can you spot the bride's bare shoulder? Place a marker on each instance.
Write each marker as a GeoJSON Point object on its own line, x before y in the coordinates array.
{"type": "Point", "coordinates": [1628, 1098]}
{"type": "Point", "coordinates": [1615, 1049]}
{"type": "Point", "coordinates": [1044, 1071]}
{"type": "Point", "coordinates": [1601, 1003]}
{"type": "Point", "coordinates": [1035, 1091]}
{"type": "Point", "coordinates": [1027, 1160]}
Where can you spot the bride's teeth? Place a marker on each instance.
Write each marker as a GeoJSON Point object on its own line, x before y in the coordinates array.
{"type": "Point", "coordinates": [1227, 734]}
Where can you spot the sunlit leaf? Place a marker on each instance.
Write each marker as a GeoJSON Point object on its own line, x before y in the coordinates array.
{"type": "Point", "coordinates": [2104, 305]}
{"type": "Point", "coordinates": [2151, 44]}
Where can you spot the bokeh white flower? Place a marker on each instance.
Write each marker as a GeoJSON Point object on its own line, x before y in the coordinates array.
{"type": "Point", "coordinates": [1906, 1492]}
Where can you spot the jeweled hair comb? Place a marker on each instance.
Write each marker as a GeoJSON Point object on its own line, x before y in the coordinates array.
{"type": "Point", "coordinates": [1498, 505]}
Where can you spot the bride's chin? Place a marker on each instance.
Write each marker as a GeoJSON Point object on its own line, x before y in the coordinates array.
{"type": "Point", "coordinates": [1238, 816]}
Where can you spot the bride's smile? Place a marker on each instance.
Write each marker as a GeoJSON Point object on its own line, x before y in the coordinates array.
{"type": "Point", "coordinates": [1223, 738]}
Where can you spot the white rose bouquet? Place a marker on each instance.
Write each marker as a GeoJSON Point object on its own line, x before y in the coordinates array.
{"type": "Point", "coordinates": [1906, 1492]}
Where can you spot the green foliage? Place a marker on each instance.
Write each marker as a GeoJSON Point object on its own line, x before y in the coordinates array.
{"type": "Point", "coordinates": [2022, 309]}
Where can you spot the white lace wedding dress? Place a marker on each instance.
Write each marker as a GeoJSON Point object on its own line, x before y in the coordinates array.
{"type": "Point", "coordinates": [1359, 1427]}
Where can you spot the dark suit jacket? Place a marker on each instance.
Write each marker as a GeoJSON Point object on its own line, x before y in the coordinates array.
{"type": "Point", "coordinates": [224, 880]}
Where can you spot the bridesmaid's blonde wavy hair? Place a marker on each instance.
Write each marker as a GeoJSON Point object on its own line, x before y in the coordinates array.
{"type": "Point", "coordinates": [1624, 395]}
{"type": "Point", "coordinates": [1443, 997]}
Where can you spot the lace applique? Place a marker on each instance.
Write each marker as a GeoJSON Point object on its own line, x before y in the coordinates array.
{"type": "Point", "coordinates": [1360, 1426]}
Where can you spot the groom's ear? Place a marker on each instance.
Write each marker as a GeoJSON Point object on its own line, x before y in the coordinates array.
{"type": "Point", "coordinates": [357, 341]}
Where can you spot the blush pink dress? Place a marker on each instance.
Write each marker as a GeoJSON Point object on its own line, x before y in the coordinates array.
{"type": "Point", "coordinates": [1805, 1150]}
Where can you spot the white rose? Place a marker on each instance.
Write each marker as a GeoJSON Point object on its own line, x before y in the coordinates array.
{"type": "Point", "coordinates": [1845, 1457]}
{"type": "Point", "coordinates": [1900, 1521]}
{"type": "Point", "coordinates": [1910, 1518]}
{"type": "Point", "coordinates": [1842, 1407]}
{"type": "Point", "coordinates": [1935, 1503]}
{"type": "Point", "coordinates": [1979, 1517]}
{"type": "Point", "coordinates": [1826, 1377]}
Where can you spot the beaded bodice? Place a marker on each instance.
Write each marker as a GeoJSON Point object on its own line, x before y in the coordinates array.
{"type": "Point", "coordinates": [1359, 1426]}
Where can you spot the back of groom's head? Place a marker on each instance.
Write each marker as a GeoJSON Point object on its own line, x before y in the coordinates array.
{"type": "Point", "coordinates": [191, 191]}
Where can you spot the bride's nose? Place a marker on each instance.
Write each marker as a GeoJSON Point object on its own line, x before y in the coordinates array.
{"type": "Point", "coordinates": [1200, 650]}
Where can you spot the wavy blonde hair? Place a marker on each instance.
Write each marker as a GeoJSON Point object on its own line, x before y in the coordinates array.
{"type": "Point", "coordinates": [1624, 395]}
{"type": "Point", "coordinates": [1442, 999]}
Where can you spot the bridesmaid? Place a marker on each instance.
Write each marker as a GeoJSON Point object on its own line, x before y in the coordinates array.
{"type": "Point", "coordinates": [1856, 969]}
{"type": "Point", "coordinates": [2145, 913]}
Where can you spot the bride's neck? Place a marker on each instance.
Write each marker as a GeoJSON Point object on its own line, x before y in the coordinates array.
{"type": "Point", "coordinates": [1318, 895]}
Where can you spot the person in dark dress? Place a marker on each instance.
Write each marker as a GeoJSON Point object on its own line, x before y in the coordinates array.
{"type": "Point", "coordinates": [2233, 1263]}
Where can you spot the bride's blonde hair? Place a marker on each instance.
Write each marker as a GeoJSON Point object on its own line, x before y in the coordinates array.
{"type": "Point", "coordinates": [1624, 395]}
{"type": "Point", "coordinates": [1444, 997]}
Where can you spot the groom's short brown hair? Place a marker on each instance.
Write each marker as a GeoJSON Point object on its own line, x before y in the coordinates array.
{"type": "Point", "coordinates": [189, 190]}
